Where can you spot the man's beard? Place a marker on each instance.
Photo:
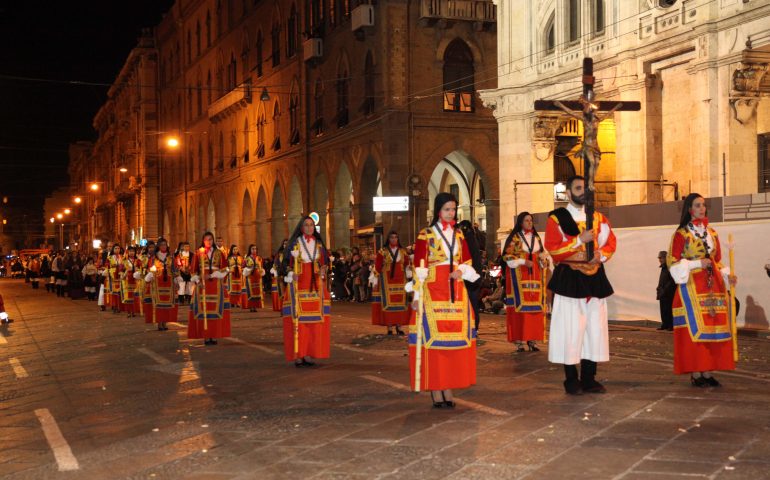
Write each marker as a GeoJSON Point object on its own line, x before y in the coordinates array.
{"type": "Point", "coordinates": [579, 199]}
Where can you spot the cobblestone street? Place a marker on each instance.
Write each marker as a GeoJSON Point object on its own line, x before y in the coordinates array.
{"type": "Point", "coordinates": [93, 395]}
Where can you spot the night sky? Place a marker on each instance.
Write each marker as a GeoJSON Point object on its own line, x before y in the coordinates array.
{"type": "Point", "coordinates": [56, 42]}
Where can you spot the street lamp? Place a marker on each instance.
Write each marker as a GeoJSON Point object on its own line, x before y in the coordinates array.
{"type": "Point", "coordinates": [122, 169]}
{"type": "Point", "coordinates": [78, 200]}
{"type": "Point", "coordinates": [67, 211]}
{"type": "Point", "coordinates": [94, 187]}
{"type": "Point", "coordinates": [172, 142]}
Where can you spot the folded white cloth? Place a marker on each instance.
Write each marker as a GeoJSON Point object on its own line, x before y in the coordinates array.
{"type": "Point", "coordinates": [469, 273]}
{"type": "Point", "coordinates": [409, 287]}
{"type": "Point", "coordinates": [373, 280]}
{"type": "Point", "coordinates": [194, 279]}
{"type": "Point", "coordinates": [219, 274]}
{"type": "Point", "coordinates": [295, 253]}
{"type": "Point", "coordinates": [3, 316]}
{"type": "Point", "coordinates": [149, 277]}
{"type": "Point", "coordinates": [137, 275]}
{"type": "Point", "coordinates": [247, 271]}
{"type": "Point", "coordinates": [515, 263]}
{"type": "Point", "coordinates": [422, 273]}
{"type": "Point", "coordinates": [409, 273]}
{"type": "Point", "coordinates": [289, 277]}
{"type": "Point", "coordinates": [273, 272]}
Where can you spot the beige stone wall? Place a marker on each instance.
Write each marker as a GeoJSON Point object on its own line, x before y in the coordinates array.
{"type": "Point", "coordinates": [678, 62]}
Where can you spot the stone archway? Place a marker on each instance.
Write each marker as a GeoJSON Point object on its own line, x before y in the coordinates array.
{"type": "Point", "coordinates": [166, 231]}
{"type": "Point", "coordinates": [456, 174]}
{"type": "Point", "coordinates": [191, 225]}
{"type": "Point", "coordinates": [222, 222]}
{"type": "Point", "coordinates": [369, 187]}
{"type": "Point", "coordinates": [246, 230]}
{"type": "Point", "coordinates": [321, 203]}
{"type": "Point", "coordinates": [263, 227]}
{"type": "Point", "coordinates": [295, 210]}
{"type": "Point", "coordinates": [211, 218]}
{"type": "Point", "coordinates": [278, 218]}
{"type": "Point", "coordinates": [340, 214]}
{"type": "Point", "coordinates": [180, 232]}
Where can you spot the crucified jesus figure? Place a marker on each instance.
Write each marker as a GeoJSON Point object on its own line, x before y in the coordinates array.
{"type": "Point", "coordinates": [591, 121]}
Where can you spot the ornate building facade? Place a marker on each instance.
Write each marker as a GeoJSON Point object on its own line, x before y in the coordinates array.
{"type": "Point", "coordinates": [117, 177]}
{"type": "Point", "coordinates": [698, 68]}
{"type": "Point", "coordinates": [284, 108]}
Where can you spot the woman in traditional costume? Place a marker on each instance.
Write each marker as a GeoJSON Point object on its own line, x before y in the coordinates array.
{"type": "Point", "coordinates": [306, 302]}
{"type": "Point", "coordinates": [160, 279]}
{"type": "Point", "coordinates": [277, 287]}
{"type": "Point", "coordinates": [209, 316]}
{"type": "Point", "coordinates": [525, 261]}
{"type": "Point", "coordinates": [114, 270]}
{"type": "Point", "coordinates": [445, 334]}
{"type": "Point", "coordinates": [388, 277]}
{"type": "Point", "coordinates": [129, 296]}
{"type": "Point", "coordinates": [253, 272]}
{"type": "Point", "coordinates": [235, 279]}
{"type": "Point", "coordinates": [702, 335]}
{"type": "Point", "coordinates": [147, 258]}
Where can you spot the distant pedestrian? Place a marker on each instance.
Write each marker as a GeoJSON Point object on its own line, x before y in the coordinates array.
{"type": "Point", "coordinates": [665, 294]}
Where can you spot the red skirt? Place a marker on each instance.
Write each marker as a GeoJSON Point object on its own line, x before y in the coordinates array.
{"type": "Point", "coordinates": [277, 303]}
{"type": "Point", "coordinates": [314, 339]}
{"type": "Point", "coordinates": [523, 326]}
{"type": "Point", "coordinates": [449, 367]}
{"type": "Point", "coordinates": [246, 303]}
{"type": "Point", "coordinates": [219, 328]}
{"type": "Point", "coordinates": [165, 315]}
{"type": "Point", "coordinates": [148, 312]}
{"type": "Point", "coordinates": [692, 356]}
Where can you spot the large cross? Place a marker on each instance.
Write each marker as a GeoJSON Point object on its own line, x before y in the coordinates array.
{"type": "Point", "coordinates": [591, 116]}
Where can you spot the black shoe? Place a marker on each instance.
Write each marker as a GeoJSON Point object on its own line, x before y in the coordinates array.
{"type": "Point", "coordinates": [592, 386]}
{"type": "Point", "coordinates": [520, 348]}
{"type": "Point", "coordinates": [572, 387]}
{"type": "Point", "coordinates": [439, 404]}
{"type": "Point", "coordinates": [670, 329]}
{"type": "Point", "coordinates": [662, 327]}
{"type": "Point", "coordinates": [532, 346]}
{"type": "Point", "coordinates": [390, 332]}
{"type": "Point", "coordinates": [449, 404]}
{"type": "Point", "coordinates": [400, 332]}
{"type": "Point", "coordinates": [300, 364]}
{"type": "Point", "coordinates": [699, 382]}
{"type": "Point", "coordinates": [308, 363]}
{"type": "Point", "coordinates": [210, 341]}
{"type": "Point", "coordinates": [712, 382]}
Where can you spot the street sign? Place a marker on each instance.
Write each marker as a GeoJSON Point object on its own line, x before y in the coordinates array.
{"type": "Point", "coordinates": [390, 204]}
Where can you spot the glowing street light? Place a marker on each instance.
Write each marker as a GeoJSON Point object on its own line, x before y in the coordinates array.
{"type": "Point", "coordinates": [67, 211]}
{"type": "Point", "coordinates": [52, 220]}
{"type": "Point", "coordinates": [172, 142]}
{"type": "Point", "coordinates": [122, 169]}
{"type": "Point", "coordinates": [78, 199]}
{"type": "Point", "coordinates": [59, 216]}
{"type": "Point", "coordinates": [94, 187]}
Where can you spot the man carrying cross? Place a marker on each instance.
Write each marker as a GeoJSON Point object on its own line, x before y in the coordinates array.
{"type": "Point", "coordinates": [580, 240]}
{"type": "Point", "coordinates": [579, 326]}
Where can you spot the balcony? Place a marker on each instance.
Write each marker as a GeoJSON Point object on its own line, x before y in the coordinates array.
{"type": "Point", "coordinates": [443, 13]}
{"type": "Point", "coordinates": [231, 102]}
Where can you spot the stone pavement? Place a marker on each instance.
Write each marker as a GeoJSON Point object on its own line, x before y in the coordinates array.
{"type": "Point", "coordinates": [118, 399]}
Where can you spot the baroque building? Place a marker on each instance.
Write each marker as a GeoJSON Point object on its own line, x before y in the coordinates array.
{"type": "Point", "coordinates": [697, 67]}
{"type": "Point", "coordinates": [282, 108]}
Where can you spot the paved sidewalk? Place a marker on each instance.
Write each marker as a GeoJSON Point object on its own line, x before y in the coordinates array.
{"type": "Point", "coordinates": [93, 395]}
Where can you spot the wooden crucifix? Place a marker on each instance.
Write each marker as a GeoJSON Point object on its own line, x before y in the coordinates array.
{"type": "Point", "coordinates": [591, 113]}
